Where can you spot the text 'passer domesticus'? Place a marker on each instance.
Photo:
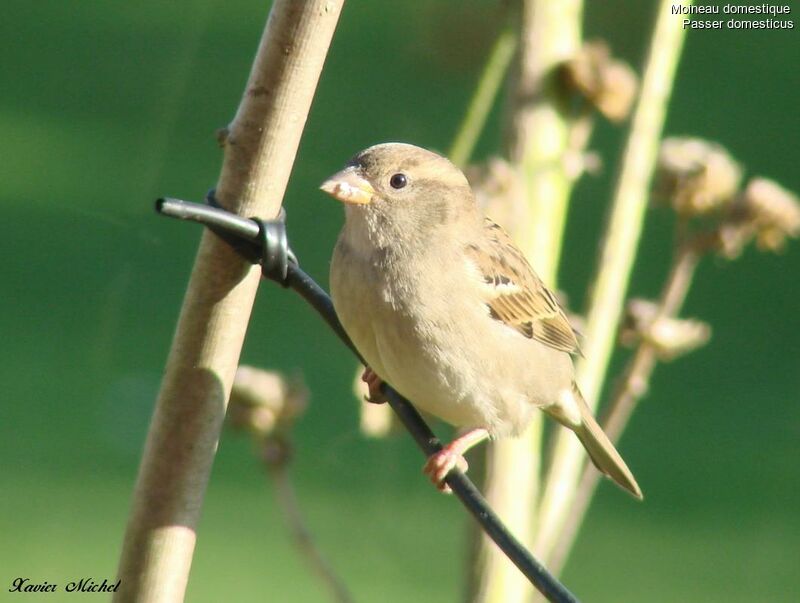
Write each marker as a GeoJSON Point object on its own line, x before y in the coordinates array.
{"type": "Point", "coordinates": [444, 307]}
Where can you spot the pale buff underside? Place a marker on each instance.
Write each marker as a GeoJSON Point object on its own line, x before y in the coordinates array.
{"type": "Point", "coordinates": [452, 359]}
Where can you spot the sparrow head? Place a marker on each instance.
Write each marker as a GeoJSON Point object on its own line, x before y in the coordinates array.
{"type": "Point", "coordinates": [401, 184]}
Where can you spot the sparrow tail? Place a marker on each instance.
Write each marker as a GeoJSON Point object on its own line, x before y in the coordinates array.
{"type": "Point", "coordinates": [601, 451]}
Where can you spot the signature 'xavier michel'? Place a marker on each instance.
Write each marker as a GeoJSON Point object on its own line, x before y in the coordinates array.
{"type": "Point", "coordinates": [442, 305]}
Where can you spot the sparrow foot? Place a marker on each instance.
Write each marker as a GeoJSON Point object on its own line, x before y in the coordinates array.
{"type": "Point", "coordinates": [451, 457]}
{"type": "Point", "coordinates": [374, 383]}
{"type": "Point", "coordinates": [441, 463]}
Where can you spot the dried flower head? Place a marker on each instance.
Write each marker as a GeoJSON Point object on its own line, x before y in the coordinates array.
{"type": "Point", "coordinates": [732, 237]}
{"type": "Point", "coordinates": [671, 337]}
{"type": "Point", "coordinates": [773, 211]}
{"type": "Point", "coordinates": [609, 84]}
{"type": "Point", "coordinates": [263, 402]}
{"type": "Point", "coordinates": [695, 176]}
{"type": "Point", "coordinates": [639, 313]}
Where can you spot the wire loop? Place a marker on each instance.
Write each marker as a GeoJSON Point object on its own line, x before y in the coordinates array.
{"type": "Point", "coordinates": [271, 249]}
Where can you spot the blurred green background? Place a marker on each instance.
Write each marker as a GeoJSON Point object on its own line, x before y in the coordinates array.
{"type": "Point", "coordinates": [107, 105]}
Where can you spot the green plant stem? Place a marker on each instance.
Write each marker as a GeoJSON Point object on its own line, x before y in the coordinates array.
{"type": "Point", "coordinates": [539, 136]}
{"type": "Point", "coordinates": [616, 261]}
{"type": "Point", "coordinates": [632, 386]}
{"type": "Point", "coordinates": [484, 97]}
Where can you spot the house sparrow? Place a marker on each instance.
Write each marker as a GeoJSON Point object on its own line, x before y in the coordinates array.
{"type": "Point", "coordinates": [444, 307]}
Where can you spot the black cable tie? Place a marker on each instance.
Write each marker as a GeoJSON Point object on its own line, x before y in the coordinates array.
{"type": "Point", "coordinates": [266, 242]}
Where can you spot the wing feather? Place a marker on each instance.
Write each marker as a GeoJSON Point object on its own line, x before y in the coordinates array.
{"type": "Point", "coordinates": [516, 296]}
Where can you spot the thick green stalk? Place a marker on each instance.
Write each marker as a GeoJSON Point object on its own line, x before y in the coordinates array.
{"type": "Point", "coordinates": [615, 264]}
{"type": "Point", "coordinates": [538, 141]}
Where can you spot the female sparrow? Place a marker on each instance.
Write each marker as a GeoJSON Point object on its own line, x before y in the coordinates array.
{"type": "Point", "coordinates": [444, 307]}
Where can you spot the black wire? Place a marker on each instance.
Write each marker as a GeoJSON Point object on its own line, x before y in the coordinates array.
{"type": "Point", "coordinates": [258, 238]}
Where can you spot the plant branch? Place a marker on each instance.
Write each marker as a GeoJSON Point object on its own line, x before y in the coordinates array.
{"type": "Point", "coordinates": [631, 387]}
{"type": "Point", "coordinates": [539, 137]}
{"type": "Point", "coordinates": [484, 97]}
{"type": "Point", "coordinates": [260, 147]}
{"type": "Point", "coordinates": [637, 376]}
{"type": "Point", "coordinates": [616, 261]}
{"type": "Point", "coordinates": [304, 540]}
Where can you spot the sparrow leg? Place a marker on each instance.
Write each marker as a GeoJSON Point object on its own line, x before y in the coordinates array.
{"type": "Point", "coordinates": [374, 383]}
{"type": "Point", "coordinates": [452, 456]}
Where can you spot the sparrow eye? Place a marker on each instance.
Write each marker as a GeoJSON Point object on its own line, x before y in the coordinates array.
{"type": "Point", "coordinates": [398, 181]}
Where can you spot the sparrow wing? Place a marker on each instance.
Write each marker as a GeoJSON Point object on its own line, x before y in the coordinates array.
{"type": "Point", "coordinates": [516, 296]}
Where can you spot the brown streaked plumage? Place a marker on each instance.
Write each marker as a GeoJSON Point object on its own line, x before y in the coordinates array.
{"type": "Point", "coordinates": [517, 296]}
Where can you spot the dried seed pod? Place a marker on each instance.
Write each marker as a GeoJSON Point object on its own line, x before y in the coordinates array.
{"type": "Point", "coordinates": [732, 237]}
{"type": "Point", "coordinates": [609, 84]}
{"type": "Point", "coordinates": [639, 314]}
{"type": "Point", "coordinates": [671, 337]}
{"type": "Point", "coordinates": [263, 402]}
{"type": "Point", "coordinates": [773, 211]}
{"type": "Point", "coordinates": [695, 176]}
{"type": "Point", "coordinates": [674, 337]}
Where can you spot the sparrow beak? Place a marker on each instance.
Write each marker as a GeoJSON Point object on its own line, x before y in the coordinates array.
{"type": "Point", "coordinates": [347, 186]}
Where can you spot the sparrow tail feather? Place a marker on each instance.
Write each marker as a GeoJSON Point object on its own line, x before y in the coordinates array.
{"type": "Point", "coordinates": [601, 451]}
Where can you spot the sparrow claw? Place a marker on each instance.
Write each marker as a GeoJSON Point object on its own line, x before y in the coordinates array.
{"type": "Point", "coordinates": [374, 383]}
{"type": "Point", "coordinates": [439, 466]}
